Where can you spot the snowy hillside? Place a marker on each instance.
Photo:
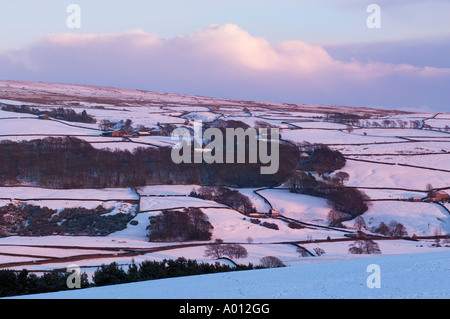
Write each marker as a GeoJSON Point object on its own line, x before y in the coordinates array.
{"type": "Point", "coordinates": [401, 277]}
{"type": "Point", "coordinates": [390, 156]}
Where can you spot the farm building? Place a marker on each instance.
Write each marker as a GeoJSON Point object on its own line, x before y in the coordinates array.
{"type": "Point", "coordinates": [274, 213]}
{"type": "Point", "coordinates": [258, 215]}
{"type": "Point", "coordinates": [438, 196]}
{"type": "Point", "coordinates": [110, 133]}
{"type": "Point", "coordinates": [117, 133]}
{"type": "Point", "coordinates": [157, 132]}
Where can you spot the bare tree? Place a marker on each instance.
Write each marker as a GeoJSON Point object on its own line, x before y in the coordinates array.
{"type": "Point", "coordinates": [383, 229]}
{"type": "Point", "coordinates": [340, 177]}
{"type": "Point", "coordinates": [271, 262]}
{"type": "Point", "coordinates": [367, 246]}
{"type": "Point", "coordinates": [234, 251]}
{"type": "Point", "coordinates": [349, 128]}
{"type": "Point", "coordinates": [335, 217]}
{"type": "Point", "coordinates": [302, 251]}
{"type": "Point", "coordinates": [386, 123]}
{"type": "Point", "coordinates": [214, 250]}
{"type": "Point", "coordinates": [397, 229]}
{"type": "Point", "coordinates": [437, 233]}
{"type": "Point", "coordinates": [414, 124]}
{"type": "Point", "coordinates": [319, 251]}
{"type": "Point", "coordinates": [218, 250]}
{"type": "Point", "coordinates": [360, 223]}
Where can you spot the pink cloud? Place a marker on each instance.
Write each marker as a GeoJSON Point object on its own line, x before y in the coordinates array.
{"type": "Point", "coordinates": [223, 61]}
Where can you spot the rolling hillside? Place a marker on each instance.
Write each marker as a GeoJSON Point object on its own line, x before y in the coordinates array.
{"type": "Point", "coordinates": [394, 157]}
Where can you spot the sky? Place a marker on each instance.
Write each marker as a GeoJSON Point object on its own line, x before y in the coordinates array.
{"type": "Point", "coordinates": [296, 51]}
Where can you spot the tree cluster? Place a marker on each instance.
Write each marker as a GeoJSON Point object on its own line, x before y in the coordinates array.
{"type": "Point", "coordinates": [172, 225]}
{"type": "Point", "coordinates": [347, 200]}
{"type": "Point", "coordinates": [219, 249]}
{"type": "Point", "coordinates": [270, 225]}
{"type": "Point", "coordinates": [366, 246]}
{"type": "Point", "coordinates": [59, 113]}
{"type": "Point", "coordinates": [343, 118]}
{"type": "Point", "coordinates": [24, 283]}
{"type": "Point", "coordinates": [68, 162]}
{"type": "Point", "coordinates": [107, 125]}
{"type": "Point", "coordinates": [321, 159]}
{"type": "Point", "coordinates": [271, 262]}
{"type": "Point", "coordinates": [394, 229]}
{"type": "Point", "coordinates": [224, 195]}
{"type": "Point", "coordinates": [149, 270]}
{"type": "Point", "coordinates": [31, 220]}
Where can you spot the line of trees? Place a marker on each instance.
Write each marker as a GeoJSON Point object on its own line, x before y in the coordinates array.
{"type": "Point", "coordinates": [343, 118]}
{"type": "Point", "coordinates": [58, 113]}
{"type": "Point", "coordinates": [149, 270]}
{"type": "Point", "coordinates": [356, 120]}
{"type": "Point", "coordinates": [14, 283]}
{"type": "Point", "coordinates": [25, 283]}
{"type": "Point", "coordinates": [394, 229]}
{"type": "Point", "coordinates": [68, 162]}
{"type": "Point", "coordinates": [345, 201]}
{"type": "Point", "coordinates": [230, 197]}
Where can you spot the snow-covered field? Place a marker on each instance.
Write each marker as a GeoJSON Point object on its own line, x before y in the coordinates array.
{"type": "Point", "coordinates": [421, 219]}
{"type": "Point", "coordinates": [400, 277]}
{"type": "Point", "coordinates": [43, 193]}
{"type": "Point", "coordinates": [365, 174]}
{"type": "Point", "coordinates": [372, 157]}
{"type": "Point", "coordinates": [306, 208]}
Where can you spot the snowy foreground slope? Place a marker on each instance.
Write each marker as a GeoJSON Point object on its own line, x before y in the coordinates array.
{"type": "Point", "coordinates": [402, 276]}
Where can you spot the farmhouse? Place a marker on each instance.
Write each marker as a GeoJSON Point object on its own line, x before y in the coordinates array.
{"type": "Point", "coordinates": [274, 213]}
{"type": "Point", "coordinates": [43, 116]}
{"type": "Point", "coordinates": [117, 133]}
{"type": "Point", "coordinates": [110, 133]}
{"type": "Point", "coordinates": [438, 196]}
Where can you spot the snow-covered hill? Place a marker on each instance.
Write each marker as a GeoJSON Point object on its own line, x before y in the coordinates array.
{"type": "Point", "coordinates": [400, 277]}
{"type": "Point", "coordinates": [390, 155]}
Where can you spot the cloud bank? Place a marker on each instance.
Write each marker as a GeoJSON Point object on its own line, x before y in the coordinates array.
{"type": "Point", "coordinates": [226, 61]}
